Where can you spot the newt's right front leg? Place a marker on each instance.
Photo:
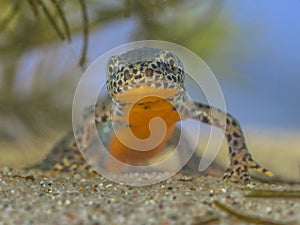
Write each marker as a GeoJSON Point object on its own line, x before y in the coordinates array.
{"type": "Point", "coordinates": [241, 161]}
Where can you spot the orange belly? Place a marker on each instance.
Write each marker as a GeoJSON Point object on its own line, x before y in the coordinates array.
{"type": "Point", "coordinates": [139, 116]}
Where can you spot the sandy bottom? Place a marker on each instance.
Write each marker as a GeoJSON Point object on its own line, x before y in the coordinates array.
{"type": "Point", "coordinates": [38, 197]}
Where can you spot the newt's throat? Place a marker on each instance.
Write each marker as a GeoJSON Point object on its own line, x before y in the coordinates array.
{"type": "Point", "coordinates": [139, 116]}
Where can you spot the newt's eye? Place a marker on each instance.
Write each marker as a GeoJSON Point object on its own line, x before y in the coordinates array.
{"type": "Point", "coordinates": [111, 66]}
{"type": "Point", "coordinates": [110, 69]}
{"type": "Point", "coordinates": [171, 62]}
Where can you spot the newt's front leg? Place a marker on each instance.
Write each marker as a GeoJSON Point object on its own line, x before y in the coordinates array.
{"type": "Point", "coordinates": [241, 161]}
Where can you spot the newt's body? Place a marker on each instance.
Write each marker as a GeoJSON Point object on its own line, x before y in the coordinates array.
{"type": "Point", "coordinates": [144, 84]}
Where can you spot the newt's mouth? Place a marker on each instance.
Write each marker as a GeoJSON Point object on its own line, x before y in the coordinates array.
{"type": "Point", "coordinates": [143, 91]}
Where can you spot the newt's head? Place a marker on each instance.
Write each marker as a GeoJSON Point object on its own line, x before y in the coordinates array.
{"type": "Point", "coordinates": [144, 71]}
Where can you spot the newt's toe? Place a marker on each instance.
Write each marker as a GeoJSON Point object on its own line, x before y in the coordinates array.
{"type": "Point", "coordinates": [237, 171]}
{"type": "Point", "coordinates": [241, 171]}
{"type": "Point", "coordinates": [260, 169]}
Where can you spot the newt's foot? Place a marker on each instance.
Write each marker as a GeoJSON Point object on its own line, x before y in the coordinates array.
{"type": "Point", "coordinates": [240, 169]}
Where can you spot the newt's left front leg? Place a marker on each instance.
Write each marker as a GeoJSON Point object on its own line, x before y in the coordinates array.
{"type": "Point", "coordinates": [241, 161]}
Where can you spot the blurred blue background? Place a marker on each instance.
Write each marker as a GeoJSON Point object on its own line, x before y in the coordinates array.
{"type": "Point", "coordinates": [270, 96]}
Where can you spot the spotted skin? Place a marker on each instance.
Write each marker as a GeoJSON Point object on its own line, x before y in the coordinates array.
{"type": "Point", "coordinates": [150, 70]}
